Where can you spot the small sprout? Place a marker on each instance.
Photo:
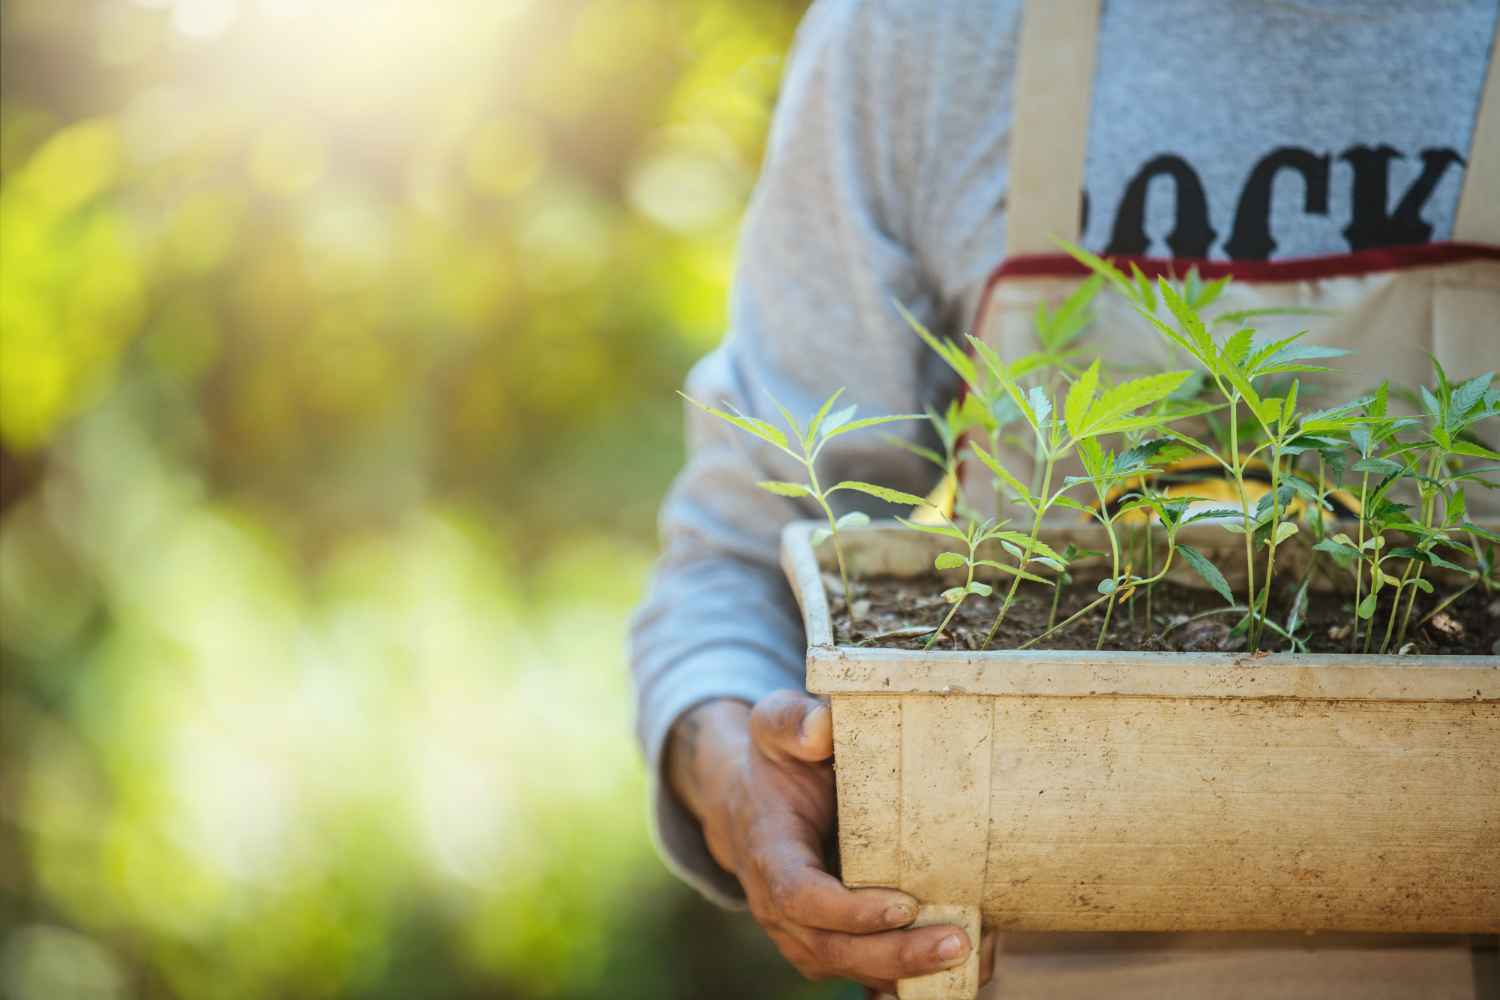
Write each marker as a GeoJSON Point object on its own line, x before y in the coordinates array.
{"type": "Point", "coordinates": [822, 427]}
{"type": "Point", "coordinates": [973, 535]}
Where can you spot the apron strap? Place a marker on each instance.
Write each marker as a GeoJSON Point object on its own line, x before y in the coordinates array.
{"type": "Point", "coordinates": [1478, 218]}
{"type": "Point", "coordinates": [1049, 123]}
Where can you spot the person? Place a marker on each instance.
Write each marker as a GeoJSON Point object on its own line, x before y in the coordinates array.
{"type": "Point", "coordinates": [921, 153]}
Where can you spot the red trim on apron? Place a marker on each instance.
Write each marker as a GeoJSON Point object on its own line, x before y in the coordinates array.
{"type": "Point", "coordinates": [1259, 271]}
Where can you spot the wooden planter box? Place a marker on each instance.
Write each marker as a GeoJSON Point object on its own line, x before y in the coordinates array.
{"type": "Point", "coordinates": [1155, 791]}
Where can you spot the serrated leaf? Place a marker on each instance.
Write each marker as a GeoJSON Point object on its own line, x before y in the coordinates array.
{"type": "Point", "coordinates": [1211, 292]}
{"type": "Point", "coordinates": [881, 492]}
{"type": "Point", "coordinates": [955, 356]}
{"type": "Point", "coordinates": [864, 422]}
{"type": "Point", "coordinates": [1430, 403]}
{"type": "Point", "coordinates": [1216, 513]}
{"type": "Point", "coordinates": [750, 425]}
{"type": "Point", "coordinates": [1207, 570]}
{"type": "Point", "coordinates": [1130, 396]}
{"type": "Point", "coordinates": [949, 560]}
{"type": "Point", "coordinates": [839, 418]}
{"type": "Point", "coordinates": [1041, 406]}
{"type": "Point", "coordinates": [1038, 547]}
{"type": "Point", "coordinates": [944, 530]}
{"type": "Point", "coordinates": [1202, 345]}
{"type": "Point", "coordinates": [1237, 346]}
{"type": "Point", "coordinates": [1284, 530]}
{"type": "Point", "coordinates": [1344, 555]}
{"type": "Point", "coordinates": [1013, 571]}
{"type": "Point", "coordinates": [1144, 289]}
{"type": "Point", "coordinates": [1438, 560]}
{"type": "Point", "coordinates": [783, 489]}
{"type": "Point", "coordinates": [1378, 466]}
{"type": "Point", "coordinates": [788, 419]}
{"type": "Point", "coordinates": [1472, 450]}
{"type": "Point", "coordinates": [1466, 397]}
{"type": "Point", "coordinates": [1080, 395]}
{"type": "Point", "coordinates": [1068, 503]}
{"type": "Point", "coordinates": [816, 422]}
{"type": "Point", "coordinates": [1099, 266]}
{"type": "Point", "coordinates": [1004, 475]}
{"type": "Point", "coordinates": [1484, 533]}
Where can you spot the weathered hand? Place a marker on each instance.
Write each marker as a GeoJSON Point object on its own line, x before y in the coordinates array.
{"type": "Point", "coordinates": [761, 782]}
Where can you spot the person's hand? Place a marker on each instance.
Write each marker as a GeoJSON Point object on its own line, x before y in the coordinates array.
{"type": "Point", "coordinates": [761, 782]}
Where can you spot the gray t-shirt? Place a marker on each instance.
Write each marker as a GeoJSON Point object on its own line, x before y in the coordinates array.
{"type": "Point", "coordinates": [1220, 129]}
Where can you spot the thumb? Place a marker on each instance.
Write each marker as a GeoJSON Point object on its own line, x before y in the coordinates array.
{"type": "Point", "coordinates": [792, 724]}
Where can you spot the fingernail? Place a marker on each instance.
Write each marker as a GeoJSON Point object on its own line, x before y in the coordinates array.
{"type": "Point", "coordinates": [950, 947]}
{"type": "Point", "coordinates": [898, 914]}
{"type": "Point", "coordinates": [802, 730]}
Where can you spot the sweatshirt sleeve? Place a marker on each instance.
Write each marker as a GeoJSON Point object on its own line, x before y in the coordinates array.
{"type": "Point", "coordinates": [824, 253]}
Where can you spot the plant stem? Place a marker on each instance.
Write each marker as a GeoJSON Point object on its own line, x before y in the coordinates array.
{"type": "Point", "coordinates": [1265, 603]}
{"type": "Point", "coordinates": [968, 579]}
{"type": "Point", "coordinates": [1056, 594]}
{"type": "Point", "coordinates": [1238, 469]}
{"type": "Point", "coordinates": [1036, 529]}
{"type": "Point", "coordinates": [1429, 511]}
{"type": "Point", "coordinates": [833, 534]}
{"type": "Point", "coordinates": [1390, 621]}
{"type": "Point", "coordinates": [1364, 488]}
{"type": "Point", "coordinates": [1150, 557]}
{"type": "Point", "coordinates": [1232, 609]}
{"type": "Point", "coordinates": [1171, 550]}
{"type": "Point", "coordinates": [1066, 621]}
{"type": "Point", "coordinates": [1429, 506]}
{"type": "Point", "coordinates": [1114, 552]}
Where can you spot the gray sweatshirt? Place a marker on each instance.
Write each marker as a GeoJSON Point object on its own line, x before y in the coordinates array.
{"type": "Point", "coordinates": [1221, 129]}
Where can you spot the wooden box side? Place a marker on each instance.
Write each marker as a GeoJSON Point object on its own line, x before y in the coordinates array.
{"type": "Point", "coordinates": [1159, 814]}
{"type": "Point", "coordinates": [1145, 791]}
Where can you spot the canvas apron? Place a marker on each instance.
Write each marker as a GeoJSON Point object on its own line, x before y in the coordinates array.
{"type": "Point", "coordinates": [1390, 307]}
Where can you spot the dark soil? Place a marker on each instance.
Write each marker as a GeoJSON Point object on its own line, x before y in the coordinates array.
{"type": "Point", "coordinates": [889, 605]}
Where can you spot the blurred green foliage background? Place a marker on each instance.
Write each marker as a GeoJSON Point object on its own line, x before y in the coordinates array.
{"type": "Point", "coordinates": [339, 341]}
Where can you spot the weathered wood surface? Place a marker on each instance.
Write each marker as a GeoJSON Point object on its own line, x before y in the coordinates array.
{"type": "Point", "coordinates": [962, 981]}
{"type": "Point", "coordinates": [1164, 791]}
{"type": "Point", "coordinates": [1077, 674]}
{"type": "Point", "coordinates": [1169, 814]}
{"type": "Point", "coordinates": [867, 731]}
{"type": "Point", "coordinates": [945, 796]}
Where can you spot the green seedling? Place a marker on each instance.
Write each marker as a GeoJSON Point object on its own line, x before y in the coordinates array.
{"type": "Point", "coordinates": [1173, 515]}
{"type": "Point", "coordinates": [1435, 462]}
{"type": "Point", "coordinates": [1288, 473]}
{"type": "Point", "coordinates": [1234, 366]}
{"type": "Point", "coordinates": [1089, 413]}
{"type": "Point", "coordinates": [972, 536]}
{"type": "Point", "coordinates": [822, 427]}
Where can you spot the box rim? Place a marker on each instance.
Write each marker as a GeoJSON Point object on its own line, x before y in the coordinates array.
{"type": "Point", "coordinates": [835, 669]}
